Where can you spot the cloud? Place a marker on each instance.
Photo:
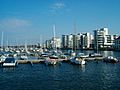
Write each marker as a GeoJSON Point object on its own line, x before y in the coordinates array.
{"type": "Point", "coordinates": [14, 23]}
{"type": "Point", "coordinates": [57, 6]}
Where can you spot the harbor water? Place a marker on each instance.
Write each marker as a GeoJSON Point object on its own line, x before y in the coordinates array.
{"type": "Point", "coordinates": [65, 76]}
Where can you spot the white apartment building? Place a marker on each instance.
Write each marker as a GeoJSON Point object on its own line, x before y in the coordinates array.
{"type": "Point", "coordinates": [70, 41]}
{"type": "Point", "coordinates": [102, 39]}
{"type": "Point", "coordinates": [56, 42]}
{"type": "Point", "coordinates": [53, 43]}
{"type": "Point", "coordinates": [79, 41]}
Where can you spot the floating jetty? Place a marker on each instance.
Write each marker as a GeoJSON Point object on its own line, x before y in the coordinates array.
{"type": "Point", "coordinates": [29, 61]}
{"type": "Point", "coordinates": [34, 61]}
{"type": "Point", "coordinates": [42, 60]}
{"type": "Point", "coordinates": [93, 58]}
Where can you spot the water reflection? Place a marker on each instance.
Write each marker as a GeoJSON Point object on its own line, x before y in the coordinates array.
{"type": "Point", "coordinates": [79, 67]}
{"type": "Point", "coordinates": [8, 69]}
{"type": "Point", "coordinates": [94, 75]}
{"type": "Point", "coordinates": [108, 53]}
{"type": "Point", "coordinates": [83, 68]}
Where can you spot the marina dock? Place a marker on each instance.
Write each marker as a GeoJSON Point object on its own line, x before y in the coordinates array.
{"type": "Point", "coordinates": [42, 60]}
{"type": "Point", "coordinates": [29, 61]}
{"type": "Point", "coordinates": [93, 58]}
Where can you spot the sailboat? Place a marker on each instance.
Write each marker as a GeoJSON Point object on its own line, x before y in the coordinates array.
{"type": "Point", "coordinates": [24, 54]}
{"type": "Point", "coordinates": [96, 54]}
{"type": "Point", "coordinates": [76, 59]}
{"type": "Point", "coordinates": [53, 58]}
{"type": "Point", "coordinates": [9, 62]}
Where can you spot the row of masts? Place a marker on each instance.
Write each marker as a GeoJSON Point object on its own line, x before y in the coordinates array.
{"type": "Point", "coordinates": [54, 38]}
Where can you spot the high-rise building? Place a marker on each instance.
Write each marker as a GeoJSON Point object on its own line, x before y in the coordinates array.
{"type": "Point", "coordinates": [85, 40]}
{"type": "Point", "coordinates": [79, 41]}
{"type": "Point", "coordinates": [48, 44]}
{"type": "Point", "coordinates": [64, 41]}
{"type": "Point", "coordinates": [56, 42]}
{"type": "Point", "coordinates": [70, 41]}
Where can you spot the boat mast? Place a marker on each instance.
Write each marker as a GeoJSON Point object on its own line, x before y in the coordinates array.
{"type": "Point", "coordinates": [26, 49]}
{"type": "Point", "coordinates": [75, 41]}
{"type": "Point", "coordinates": [7, 45]}
{"type": "Point", "coordinates": [97, 44]}
{"type": "Point", "coordinates": [2, 41]}
{"type": "Point", "coordinates": [40, 41]}
{"type": "Point", "coordinates": [54, 46]}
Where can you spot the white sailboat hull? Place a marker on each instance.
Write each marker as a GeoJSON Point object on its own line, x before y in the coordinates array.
{"type": "Point", "coordinates": [77, 61]}
{"type": "Point", "coordinates": [9, 64]}
{"type": "Point", "coordinates": [50, 62]}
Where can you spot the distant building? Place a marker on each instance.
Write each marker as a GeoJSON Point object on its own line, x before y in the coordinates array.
{"type": "Point", "coordinates": [55, 42]}
{"type": "Point", "coordinates": [58, 42]}
{"type": "Point", "coordinates": [74, 42]}
{"type": "Point", "coordinates": [116, 46]}
{"type": "Point", "coordinates": [67, 41]}
{"type": "Point", "coordinates": [70, 41]}
{"type": "Point", "coordinates": [92, 42]}
{"type": "Point", "coordinates": [48, 44]}
{"type": "Point", "coordinates": [79, 41]}
{"type": "Point", "coordinates": [102, 39]}
{"type": "Point", "coordinates": [64, 41]}
{"type": "Point", "coordinates": [85, 40]}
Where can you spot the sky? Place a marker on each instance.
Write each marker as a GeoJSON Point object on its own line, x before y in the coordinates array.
{"type": "Point", "coordinates": [32, 20]}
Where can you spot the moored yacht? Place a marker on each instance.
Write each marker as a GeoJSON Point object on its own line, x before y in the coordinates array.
{"type": "Point", "coordinates": [110, 59]}
{"type": "Point", "coordinates": [52, 60]}
{"type": "Point", "coordinates": [95, 55]}
{"type": "Point", "coordinates": [77, 60]}
{"type": "Point", "coordinates": [9, 62]}
{"type": "Point", "coordinates": [82, 55]}
{"type": "Point", "coordinates": [49, 61]}
{"type": "Point", "coordinates": [23, 56]}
